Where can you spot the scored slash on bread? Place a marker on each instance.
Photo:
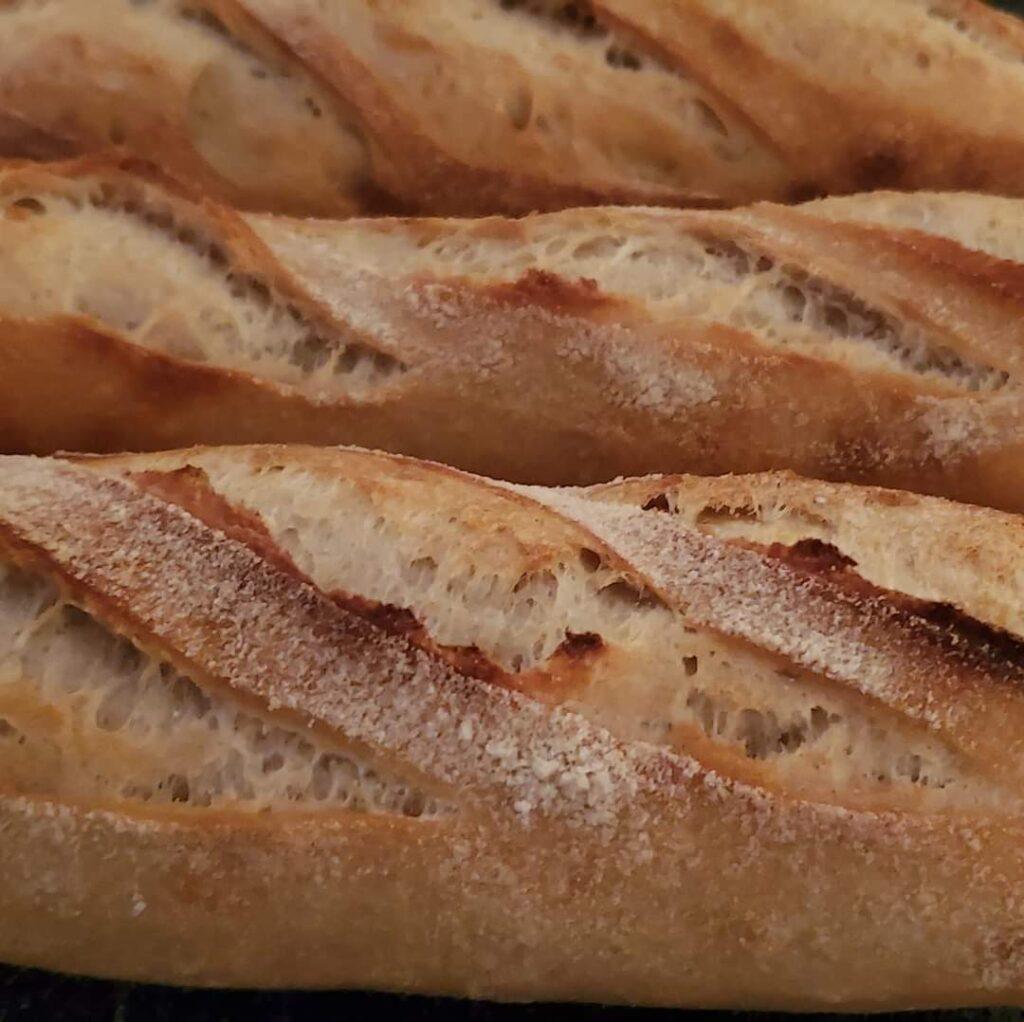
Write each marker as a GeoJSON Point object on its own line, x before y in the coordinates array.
{"type": "Point", "coordinates": [872, 338]}
{"type": "Point", "coordinates": [297, 716]}
{"type": "Point", "coordinates": [327, 107]}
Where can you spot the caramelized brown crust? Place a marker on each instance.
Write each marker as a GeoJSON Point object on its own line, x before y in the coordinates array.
{"type": "Point", "coordinates": [607, 342]}
{"type": "Point", "coordinates": [732, 873]}
{"type": "Point", "coordinates": [487, 106]}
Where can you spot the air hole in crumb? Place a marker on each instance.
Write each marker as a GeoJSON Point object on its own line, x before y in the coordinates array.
{"type": "Point", "coordinates": [764, 735]}
{"type": "Point", "coordinates": [115, 708]}
{"type": "Point", "coordinates": [795, 302]}
{"type": "Point", "coordinates": [658, 502]}
{"type": "Point", "coordinates": [710, 117]}
{"type": "Point", "coordinates": [617, 56]}
{"type": "Point", "coordinates": [519, 107]}
{"type": "Point", "coordinates": [761, 733]}
{"type": "Point", "coordinates": [837, 319]}
{"type": "Point", "coordinates": [414, 805]}
{"type": "Point", "coordinates": [625, 594]}
{"type": "Point", "coordinates": [422, 571]}
{"type": "Point", "coordinates": [601, 247]}
{"type": "Point", "coordinates": [311, 353]}
{"type": "Point", "coordinates": [590, 559]}
{"type": "Point", "coordinates": [690, 665]}
{"type": "Point", "coordinates": [29, 205]}
{"type": "Point", "coordinates": [576, 16]}
{"type": "Point", "coordinates": [543, 583]}
{"type": "Point", "coordinates": [178, 788]}
{"type": "Point", "coordinates": [713, 515]}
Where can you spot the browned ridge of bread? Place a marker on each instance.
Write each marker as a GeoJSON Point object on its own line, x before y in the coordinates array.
{"type": "Point", "coordinates": [283, 716]}
{"type": "Point", "coordinates": [467, 107]}
{"type": "Point", "coordinates": [874, 338]}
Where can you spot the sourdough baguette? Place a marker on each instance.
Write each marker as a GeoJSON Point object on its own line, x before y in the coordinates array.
{"type": "Point", "coordinates": [309, 717]}
{"type": "Point", "coordinates": [323, 107]}
{"type": "Point", "coordinates": [561, 348]}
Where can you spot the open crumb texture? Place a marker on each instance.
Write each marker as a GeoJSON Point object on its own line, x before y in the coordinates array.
{"type": "Point", "coordinates": [873, 338]}
{"type": "Point", "coordinates": [248, 695]}
{"type": "Point", "coordinates": [328, 107]}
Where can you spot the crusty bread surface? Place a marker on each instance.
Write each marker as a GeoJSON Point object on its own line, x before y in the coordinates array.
{"type": "Point", "coordinates": [277, 716]}
{"type": "Point", "coordinates": [874, 339]}
{"type": "Point", "coordinates": [325, 107]}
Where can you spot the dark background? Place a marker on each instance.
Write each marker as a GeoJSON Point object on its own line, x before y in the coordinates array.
{"type": "Point", "coordinates": [26, 995]}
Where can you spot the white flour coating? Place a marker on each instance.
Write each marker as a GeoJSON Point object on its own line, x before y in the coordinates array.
{"type": "Point", "coordinates": [478, 565]}
{"type": "Point", "coordinates": [660, 269]}
{"type": "Point", "coordinates": [646, 376]}
{"type": "Point", "coordinates": [863, 644]}
{"type": "Point", "coordinates": [955, 429]}
{"type": "Point", "coordinates": [225, 610]}
{"type": "Point", "coordinates": [673, 831]}
{"type": "Point", "coordinates": [265, 633]}
{"type": "Point", "coordinates": [454, 328]}
{"type": "Point", "coordinates": [643, 371]}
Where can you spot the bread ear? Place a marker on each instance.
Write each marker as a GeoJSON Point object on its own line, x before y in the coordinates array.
{"type": "Point", "coordinates": [236, 700]}
{"type": "Point", "coordinates": [758, 658]}
{"type": "Point", "coordinates": [498, 108]}
{"type": "Point", "coordinates": [609, 342]}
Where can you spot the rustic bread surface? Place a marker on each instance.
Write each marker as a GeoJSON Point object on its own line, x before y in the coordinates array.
{"type": "Point", "coordinates": [305, 717]}
{"type": "Point", "coordinates": [325, 107]}
{"type": "Point", "coordinates": [875, 339]}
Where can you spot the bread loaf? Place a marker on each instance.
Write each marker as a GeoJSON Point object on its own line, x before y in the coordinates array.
{"type": "Point", "coordinates": [308, 717]}
{"type": "Point", "coordinates": [324, 107]}
{"type": "Point", "coordinates": [873, 338]}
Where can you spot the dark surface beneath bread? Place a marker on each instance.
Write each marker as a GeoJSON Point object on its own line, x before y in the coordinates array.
{"type": "Point", "coordinates": [28, 995]}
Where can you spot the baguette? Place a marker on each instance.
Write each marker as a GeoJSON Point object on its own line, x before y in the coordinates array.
{"type": "Point", "coordinates": [565, 348]}
{"type": "Point", "coordinates": [329, 718]}
{"type": "Point", "coordinates": [472, 107]}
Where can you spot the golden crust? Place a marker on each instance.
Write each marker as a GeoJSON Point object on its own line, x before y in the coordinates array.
{"type": "Point", "coordinates": [724, 886]}
{"type": "Point", "coordinates": [854, 96]}
{"type": "Point", "coordinates": [608, 342]}
{"type": "Point", "coordinates": [482, 107]}
{"type": "Point", "coordinates": [181, 87]}
{"type": "Point", "coordinates": [522, 918]}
